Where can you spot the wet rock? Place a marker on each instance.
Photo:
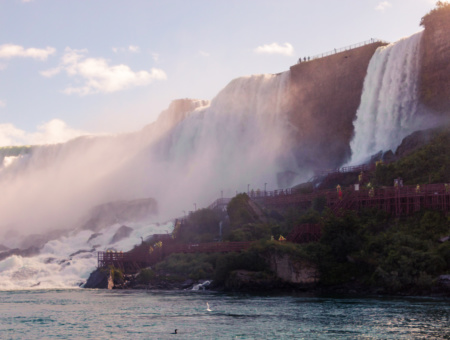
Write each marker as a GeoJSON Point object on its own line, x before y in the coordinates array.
{"type": "Point", "coordinates": [187, 284]}
{"type": "Point", "coordinates": [121, 233]}
{"type": "Point", "coordinates": [297, 272]}
{"type": "Point", "coordinates": [94, 235]}
{"type": "Point", "coordinates": [444, 281]}
{"type": "Point", "coordinates": [100, 278]}
{"type": "Point", "coordinates": [82, 251]}
{"type": "Point", "coordinates": [115, 212]}
{"type": "Point", "coordinates": [32, 251]}
{"type": "Point", "coordinates": [39, 240]}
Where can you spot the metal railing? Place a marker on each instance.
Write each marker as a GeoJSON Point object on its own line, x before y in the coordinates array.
{"type": "Point", "coordinates": [343, 49]}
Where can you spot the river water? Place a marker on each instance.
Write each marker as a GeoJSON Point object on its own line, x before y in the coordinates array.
{"type": "Point", "coordinates": [102, 314]}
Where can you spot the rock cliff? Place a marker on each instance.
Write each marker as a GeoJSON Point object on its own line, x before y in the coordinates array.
{"type": "Point", "coordinates": [297, 272]}
{"type": "Point", "coordinates": [435, 72]}
{"type": "Point", "coordinates": [326, 94]}
{"type": "Point", "coordinates": [117, 212]}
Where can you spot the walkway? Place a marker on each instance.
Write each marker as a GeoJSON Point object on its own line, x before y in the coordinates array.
{"type": "Point", "coordinates": [133, 261]}
{"type": "Point", "coordinates": [342, 49]}
{"type": "Point", "coordinates": [401, 201]}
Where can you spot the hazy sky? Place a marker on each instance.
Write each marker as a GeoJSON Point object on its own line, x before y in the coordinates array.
{"type": "Point", "coordinates": [74, 66]}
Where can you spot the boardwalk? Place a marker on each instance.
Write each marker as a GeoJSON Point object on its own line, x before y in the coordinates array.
{"type": "Point", "coordinates": [133, 261]}
{"type": "Point", "coordinates": [398, 201]}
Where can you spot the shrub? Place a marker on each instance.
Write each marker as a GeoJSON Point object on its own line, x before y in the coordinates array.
{"type": "Point", "coordinates": [146, 275]}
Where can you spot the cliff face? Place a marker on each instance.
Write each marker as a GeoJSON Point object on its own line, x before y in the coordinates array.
{"type": "Point", "coordinates": [298, 272]}
{"type": "Point", "coordinates": [435, 72]}
{"type": "Point", "coordinates": [116, 212]}
{"type": "Point", "coordinates": [326, 94]}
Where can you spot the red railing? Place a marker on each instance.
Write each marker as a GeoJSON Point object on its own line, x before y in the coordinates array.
{"type": "Point", "coordinates": [120, 259]}
{"type": "Point", "coordinates": [403, 200]}
{"type": "Point", "coordinates": [305, 233]}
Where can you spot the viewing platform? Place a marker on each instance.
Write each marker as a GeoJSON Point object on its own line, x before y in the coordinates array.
{"type": "Point", "coordinates": [342, 49]}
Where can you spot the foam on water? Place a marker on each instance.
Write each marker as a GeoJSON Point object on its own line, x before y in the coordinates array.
{"type": "Point", "coordinates": [67, 262]}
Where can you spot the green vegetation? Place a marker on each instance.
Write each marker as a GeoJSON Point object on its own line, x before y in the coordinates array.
{"type": "Point", "coordinates": [201, 226]}
{"type": "Point", "coordinates": [442, 9]}
{"type": "Point", "coordinates": [368, 248]}
{"type": "Point", "coordinates": [240, 212]}
{"type": "Point", "coordinates": [195, 266]}
{"type": "Point", "coordinates": [396, 255]}
{"type": "Point", "coordinates": [116, 274]}
{"type": "Point", "coordinates": [7, 151]}
{"type": "Point", "coordinates": [145, 276]}
{"type": "Point", "coordinates": [428, 164]}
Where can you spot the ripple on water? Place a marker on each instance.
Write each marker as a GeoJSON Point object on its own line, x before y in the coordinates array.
{"type": "Point", "coordinates": [91, 314]}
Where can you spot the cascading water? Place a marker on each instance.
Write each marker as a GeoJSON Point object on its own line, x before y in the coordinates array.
{"type": "Point", "coordinates": [389, 108]}
{"type": "Point", "coordinates": [67, 261]}
{"type": "Point", "coordinates": [239, 138]}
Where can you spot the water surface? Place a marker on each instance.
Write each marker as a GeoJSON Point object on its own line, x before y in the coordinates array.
{"type": "Point", "coordinates": [101, 314]}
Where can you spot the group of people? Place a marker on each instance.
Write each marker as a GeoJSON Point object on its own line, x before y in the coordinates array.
{"type": "Point", "coordinates": [304, 59]}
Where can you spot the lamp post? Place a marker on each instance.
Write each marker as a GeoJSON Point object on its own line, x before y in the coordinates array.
{"type": "Point", "coordinates": [195, 206]}
{"type": "Point", "coordinates": [248, 189]}
{"type": "Point", "coordinates": [265, 186]}
{"type": "Point", "coordinates": [184, 212]}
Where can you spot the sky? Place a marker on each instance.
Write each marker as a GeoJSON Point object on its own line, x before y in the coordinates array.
{"type": "Point", "coordinates": [74, 67]}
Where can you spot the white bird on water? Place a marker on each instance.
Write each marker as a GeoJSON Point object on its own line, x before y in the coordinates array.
{"type": "Point", "coordinates": [207, 307]}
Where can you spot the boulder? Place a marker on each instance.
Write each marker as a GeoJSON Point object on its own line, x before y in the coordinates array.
{"type": "Point", "coordinates": [100, 278]}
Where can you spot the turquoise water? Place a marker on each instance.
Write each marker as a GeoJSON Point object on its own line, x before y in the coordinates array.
{"type": "Point", "coordinates": [100, 314]}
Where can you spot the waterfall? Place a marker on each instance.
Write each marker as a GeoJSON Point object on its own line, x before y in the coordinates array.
{"type": "Point", "coordinates": [389, 108]}
{"type": "Point", "coordinates": [236, 139]}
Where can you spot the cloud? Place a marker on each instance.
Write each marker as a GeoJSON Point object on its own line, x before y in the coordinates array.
{"type": "Point", "coordinates": [10, 135]}
{"type": "Point", "coordinates": [2, 103]}
{"type": "Point", "coordinates": [52, 132]}
{"type": "Point", "coordinates": [8, 51]}
{"type": "Point", "coordinates": [204, 54]}
{"type": "Point", "coordinates": [134, 49]}
{"type": "Point", "coordinates": [382, 6]}
{"type": "Point", "coordinates": [275, 48]}
{"type": "Point", "coordinates": [131, 48]}
{"type": "Point", "coordinates": [155, 57]}
{"type": "Point", "coordinates": [97, 76]}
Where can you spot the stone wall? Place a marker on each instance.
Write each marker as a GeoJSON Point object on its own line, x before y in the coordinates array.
{"type": "Point", "coordinates": [326, 94]}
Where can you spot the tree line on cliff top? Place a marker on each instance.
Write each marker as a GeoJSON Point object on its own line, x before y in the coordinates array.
{"type": "Point", "coordinates": [442, 8]}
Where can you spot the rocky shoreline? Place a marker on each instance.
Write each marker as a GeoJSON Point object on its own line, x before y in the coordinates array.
{"type": "Point", "coordinates": [254, 282]}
